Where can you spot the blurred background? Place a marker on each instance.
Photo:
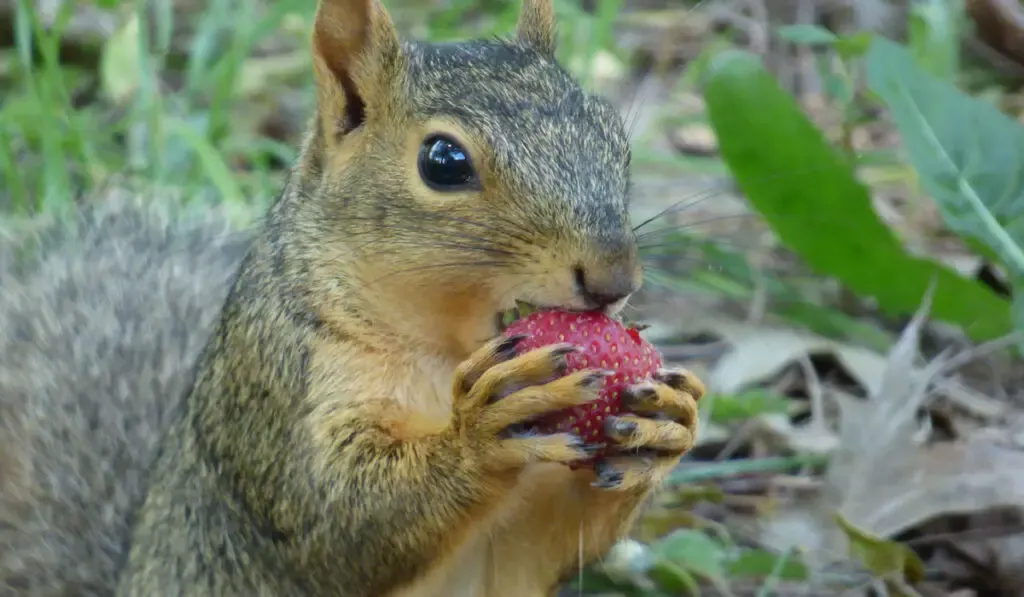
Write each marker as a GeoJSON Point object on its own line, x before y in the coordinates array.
{"type": "Point", "coordinates": [829, 200]}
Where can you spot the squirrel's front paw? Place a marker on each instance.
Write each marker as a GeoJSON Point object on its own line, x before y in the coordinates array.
{"type": "Point", "coordinates": [497, 391]}
{"type": "Point", "coordinates": [658, 425]}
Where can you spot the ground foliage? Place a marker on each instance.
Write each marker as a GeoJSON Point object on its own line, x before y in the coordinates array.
{"type": "Point", "coordinates": [830, 207]}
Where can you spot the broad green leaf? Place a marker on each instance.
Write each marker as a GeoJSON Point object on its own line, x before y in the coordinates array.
{"type": "Point", "coordinates": [968, 154]}
{"type": "Point", "coordinates": [695, 552]}
{"type": "Point", "coordinates": [1018, 311]}
{"type": "Point", "coordinates": [758, 563]}
{"type": "Point", "coordinates": [806, 190]}
{"type": "Point", "coordinates": [854, 45]}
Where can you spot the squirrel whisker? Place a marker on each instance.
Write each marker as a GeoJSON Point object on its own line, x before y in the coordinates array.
{"type": "Point", "coordinates": [690, 225]}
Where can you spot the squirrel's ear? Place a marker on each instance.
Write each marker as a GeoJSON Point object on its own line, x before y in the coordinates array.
{"type": "Point", "coordinates": [537, 25]}
{"type": "Point", "coordinates": [356, 58]}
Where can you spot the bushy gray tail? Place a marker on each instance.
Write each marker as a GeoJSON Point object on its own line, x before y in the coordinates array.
{"type": "Point", "coordinates": [100, 322]}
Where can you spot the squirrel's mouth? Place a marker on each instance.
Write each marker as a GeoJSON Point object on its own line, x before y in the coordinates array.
{"type": "Point", "coordinates": [503, 319]}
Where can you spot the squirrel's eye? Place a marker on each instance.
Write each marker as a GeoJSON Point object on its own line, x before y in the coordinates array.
{"type": "Point", "coordinates": [445, 165]}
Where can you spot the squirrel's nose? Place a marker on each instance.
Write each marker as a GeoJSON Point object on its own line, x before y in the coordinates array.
{"type": "Point", "coordinates": [601, 287]}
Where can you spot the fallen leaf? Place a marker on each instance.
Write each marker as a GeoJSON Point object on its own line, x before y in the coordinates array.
{"type": "Point", "coordinates": [887, 477]}
{"type": "Point", "coordinates": [758, 354]}
{"type": "Point", "coordinates": [882, 557]}
{"type": "Point", "coordinates": [803, 439]}
{"type": "Point", "coordinates": [904, 489]}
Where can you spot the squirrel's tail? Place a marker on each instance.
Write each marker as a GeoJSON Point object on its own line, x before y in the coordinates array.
{"type": "Point", "coordinates": [100, 322]}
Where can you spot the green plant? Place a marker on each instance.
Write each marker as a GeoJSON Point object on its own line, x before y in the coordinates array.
{"type": "Point", "coordinates": [825, 213]}
{"type": "Point", "coordinates": [838, 70]}
{"type": "Point", "coordinates": [679, 562]}
{"type": "Point", "coordinates": [933, 29]}
{"type": "Point", "coordinates": [590, 33]}
{"type": "Point", "coordinates": [192, 135]}
{"type": "Point", "coordinates": [967, 154]}
{"type": "Point", "coordinates": [199, 134]}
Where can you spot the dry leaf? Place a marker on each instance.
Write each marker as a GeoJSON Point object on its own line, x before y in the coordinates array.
{"type": "Point", "coordinates": [805, 439]}
{"type": "Point", "coordinates": [885, 478]}
{"type": "Point", "coordinates": [757, 354]}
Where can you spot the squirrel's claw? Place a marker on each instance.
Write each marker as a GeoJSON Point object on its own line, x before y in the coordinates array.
{"type": "Point", "coordinates": [658, 426]}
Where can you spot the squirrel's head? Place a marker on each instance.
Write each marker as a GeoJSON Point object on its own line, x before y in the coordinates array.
{"type": "Point", "coordinates": [465, 176]}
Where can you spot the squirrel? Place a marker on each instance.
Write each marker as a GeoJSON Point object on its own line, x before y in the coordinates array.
{"type": "Point", "coordinates": [335, 411]}
{"type": "Point", "coordinates": [101, 320]}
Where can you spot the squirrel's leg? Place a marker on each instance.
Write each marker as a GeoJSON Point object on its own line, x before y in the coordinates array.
{"type": "Point", "coordinates": [366, 498]}
{"type": "Point", "coordinates": [402, 488]}
{"type": "Point", "coordinates": [661, 426]}
{"type": "Point", "coordinates": [418, 493]}
{"type": "Point", "coordinates": [571, 518]}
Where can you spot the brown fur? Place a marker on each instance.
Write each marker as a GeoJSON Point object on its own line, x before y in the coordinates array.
{"type": "Point", "coordinates": [343, 435]}
{"type": "Point", "coordinates": [101, 321]}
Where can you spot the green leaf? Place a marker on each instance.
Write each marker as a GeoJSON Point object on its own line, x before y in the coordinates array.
{"type": "Point", "coordinates": [880, 556]}
{"type": "Point", "coordinates": [934, 32]}
{"type": "Point", "coordinates": [1018, 311]}
{"type": "Point", "coordinates": [968, 154]}
{"type": "Point", "coordinates": [758, 563]}
{"type": "Point", "coordinates": [693, 551]}
{"type": "Point", "coordinates": [847, 46]}
{"type": "Point", "coordinates": [730, 408]}
{"type": "Point", "coordinates": [673, 578]}
{"type": "Point", "coordinates": [807, 34]}
{"type": "Point", "coordinates": [806, 190]}
{"type": "Point", "coordinates": [853, 46]}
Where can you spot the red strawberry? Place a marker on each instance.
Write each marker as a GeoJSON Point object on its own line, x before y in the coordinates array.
{"type": "Point", "coordinates": [607, 344]}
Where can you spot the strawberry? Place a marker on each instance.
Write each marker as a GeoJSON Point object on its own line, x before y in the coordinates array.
{"type": "Point", "coordinates": [607, 345]}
